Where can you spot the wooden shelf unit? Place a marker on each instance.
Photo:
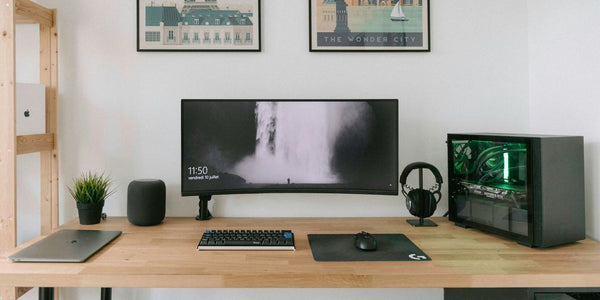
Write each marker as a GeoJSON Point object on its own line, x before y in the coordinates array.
{"type": "Point", "coordinates": [14, 12]}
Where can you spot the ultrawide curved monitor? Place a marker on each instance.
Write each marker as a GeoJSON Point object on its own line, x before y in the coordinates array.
{"type": "Point", "coordinates": [289, 146]}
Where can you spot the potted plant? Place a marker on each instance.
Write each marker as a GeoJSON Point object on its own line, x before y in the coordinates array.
{"type": "Point", "coordinates": [89, 191]}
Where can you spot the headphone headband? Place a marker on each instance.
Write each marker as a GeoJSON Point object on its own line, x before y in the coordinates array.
{"type": "Point", "coordinates": [421, 165]}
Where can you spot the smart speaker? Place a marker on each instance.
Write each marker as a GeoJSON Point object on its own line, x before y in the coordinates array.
{"type": "Point", "coordinates": [146, 202]}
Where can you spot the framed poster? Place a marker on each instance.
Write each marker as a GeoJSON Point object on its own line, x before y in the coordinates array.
{"type": "Point", "coordinates": [369, 25]}
{"type": "Point", "coordinates": [198, 25]}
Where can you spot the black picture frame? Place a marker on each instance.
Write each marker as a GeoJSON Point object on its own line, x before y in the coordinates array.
{"type": "Point", "coordinates": [369, 26]}
{"type": "Point", "coordinates": [166, 27]}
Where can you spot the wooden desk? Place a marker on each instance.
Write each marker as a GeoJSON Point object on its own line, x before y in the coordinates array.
{"type": "Point", "coordinates": [166, 256]}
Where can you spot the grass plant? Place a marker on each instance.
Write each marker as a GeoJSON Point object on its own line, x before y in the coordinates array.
{"type": "Point", "coordinates": [91, 187]}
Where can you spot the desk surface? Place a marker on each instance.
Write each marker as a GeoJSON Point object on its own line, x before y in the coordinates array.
{"type": "Point", "coordinates": [166, 256]}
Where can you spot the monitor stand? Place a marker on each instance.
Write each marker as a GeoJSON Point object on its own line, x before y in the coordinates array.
{"type": "Point", "coordinates": [203, 212]}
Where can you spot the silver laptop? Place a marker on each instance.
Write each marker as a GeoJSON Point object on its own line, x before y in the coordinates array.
{"type": "Point", "coordinates": [66, 245]}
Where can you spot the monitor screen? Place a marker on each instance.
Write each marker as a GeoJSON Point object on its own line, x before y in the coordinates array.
{"type": "Point", "coordinates": [287, 146]}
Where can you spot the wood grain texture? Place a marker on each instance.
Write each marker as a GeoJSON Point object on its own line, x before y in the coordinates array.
{"type": "Point", "coordinates": [32, 13]}
{"type": "Point", "coordinates": [9, 292]}
{"type": "Point", "coordinates": [52, 123]}
{"type": "Point", "coordinates": [22, 291]}
{"type": "Point", "coordinates": [35, 143]}
{"type": "Point", "coordinates": [8, 144]}
{"type": "Point", "coordinates": [166, 256]}
{"type": "Point", "coordinates": [49, 157]}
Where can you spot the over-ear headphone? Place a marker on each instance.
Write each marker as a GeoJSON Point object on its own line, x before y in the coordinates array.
{"type": "Point", "coordinates": [420, 202]}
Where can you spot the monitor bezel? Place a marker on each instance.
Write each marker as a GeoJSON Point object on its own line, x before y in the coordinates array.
{"type": "Point", "coordinates": [297, 190]}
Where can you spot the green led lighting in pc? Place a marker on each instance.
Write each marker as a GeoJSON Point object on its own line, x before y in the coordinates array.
{"type": "Point", "coordinates": [505, 166]}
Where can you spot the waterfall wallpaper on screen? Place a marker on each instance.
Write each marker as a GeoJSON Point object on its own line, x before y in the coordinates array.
{"type": "Point", "coordinates": [254, 146]}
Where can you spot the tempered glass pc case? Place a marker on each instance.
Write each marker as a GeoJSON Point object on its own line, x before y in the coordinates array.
{"type": "Point", "coordinates": [524, 187]}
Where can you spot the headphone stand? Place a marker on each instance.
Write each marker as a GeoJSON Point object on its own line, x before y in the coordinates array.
{"type": "Point", "coordinates": [421, 222]}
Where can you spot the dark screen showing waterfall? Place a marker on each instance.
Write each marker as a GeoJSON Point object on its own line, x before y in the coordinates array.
{"type": "Point", "coordinates": [310, 146]}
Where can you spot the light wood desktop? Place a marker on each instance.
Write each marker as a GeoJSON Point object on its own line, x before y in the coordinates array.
{"type": "Point", "coordinates": [166, 256]}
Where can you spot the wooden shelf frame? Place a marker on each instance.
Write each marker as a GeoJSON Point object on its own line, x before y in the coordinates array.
{"type": "Point", "coordinates": [27, 12]}
{"type": "Point", "coordinates": [14, 12]}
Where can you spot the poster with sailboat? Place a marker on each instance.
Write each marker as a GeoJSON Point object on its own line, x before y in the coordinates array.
{"type": "Point", "coordinates": [369, 25]}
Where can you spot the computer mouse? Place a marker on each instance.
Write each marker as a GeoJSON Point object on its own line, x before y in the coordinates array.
{"type": "Point", "coordinates": [365, 241]}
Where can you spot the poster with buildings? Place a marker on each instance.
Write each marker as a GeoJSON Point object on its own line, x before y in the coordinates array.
{"type": "Point", "coordinates": [198, 25]}
{"type": "Point", "coordinates": [369, 25]}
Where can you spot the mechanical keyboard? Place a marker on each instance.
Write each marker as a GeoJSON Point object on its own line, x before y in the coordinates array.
{"type": "Point", "coordinates": [247, 240]}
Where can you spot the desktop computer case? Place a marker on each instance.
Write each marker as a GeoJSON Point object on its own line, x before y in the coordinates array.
{"type": "Point", "coordinates": [529, 188]}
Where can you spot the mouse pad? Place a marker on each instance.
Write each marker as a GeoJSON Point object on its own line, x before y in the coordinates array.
{"type": "Point", "coordinates": [340, 247]}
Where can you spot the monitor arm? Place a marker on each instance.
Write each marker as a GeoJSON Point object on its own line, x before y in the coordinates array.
{"type": "Point", "coordinates": [203, 212]}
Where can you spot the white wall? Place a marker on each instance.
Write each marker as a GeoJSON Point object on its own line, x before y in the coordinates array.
{"type": "Point", "coordinates": [564, 90]}
{"type": "Point", "coordinates": [119, 109]}
{"type": "Point", "coordinates": [28, 187]}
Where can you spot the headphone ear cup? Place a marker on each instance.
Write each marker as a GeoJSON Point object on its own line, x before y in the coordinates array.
{"type": "Point", "coordinates": [421, 203]}
{"type": "Point", "coordinates": [413, 202]}
{"type": "Point", "coordinates": [409, 202]}
{"type": "Point", "coordinates": [431, 205]}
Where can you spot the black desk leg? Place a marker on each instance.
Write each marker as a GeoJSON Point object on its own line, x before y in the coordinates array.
{"type": "Point", "coordinates": [105, 293]}
{"type": "Point", "coordinates": [46, 293]}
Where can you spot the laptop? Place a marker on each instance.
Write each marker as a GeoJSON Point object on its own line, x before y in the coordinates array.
{"type": "Point", "coordinates": [66, 245]}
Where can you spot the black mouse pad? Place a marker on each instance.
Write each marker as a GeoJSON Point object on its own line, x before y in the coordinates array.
{"type": "Point", "coordinates": [340, 247]}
